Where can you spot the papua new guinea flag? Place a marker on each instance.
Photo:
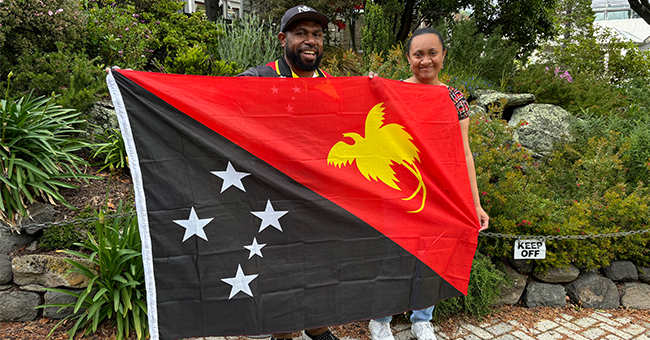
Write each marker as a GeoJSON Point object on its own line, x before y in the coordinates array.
{"type": "Point", "coordinates": [270, 205]}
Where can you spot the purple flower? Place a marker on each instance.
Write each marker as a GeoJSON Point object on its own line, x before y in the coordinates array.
{"type": "Point", "coordinates": [126, 29]}
{"type": "Point", "coordinates": [50, 13]}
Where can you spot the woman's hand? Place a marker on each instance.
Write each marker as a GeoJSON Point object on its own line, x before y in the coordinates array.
{"type": "Point", "coordinates": [372, 75]}
{"type": "Point", "coordinates": [483, 218]}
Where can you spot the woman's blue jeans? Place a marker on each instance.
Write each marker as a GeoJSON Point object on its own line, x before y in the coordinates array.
{"type": "Point", "coordinates": [417, 316]}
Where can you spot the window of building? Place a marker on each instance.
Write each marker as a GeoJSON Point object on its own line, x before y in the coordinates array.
{"type": "Point", "coordinates": [617, 15]}
{"type": "Point", "coordinates": [600, 16]}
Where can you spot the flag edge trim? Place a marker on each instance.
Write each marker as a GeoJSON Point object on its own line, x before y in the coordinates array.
{"type": "Point", "coordinates": [140, 203]}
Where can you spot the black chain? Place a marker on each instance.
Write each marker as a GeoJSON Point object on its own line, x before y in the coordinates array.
{"type": "Point", "coordinates": [564, 237]}
{"type": "Point", "coordinates": [65, 222]}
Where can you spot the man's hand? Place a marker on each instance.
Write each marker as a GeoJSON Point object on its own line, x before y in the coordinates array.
{"type": "Point", "coordinates": [372, 75]}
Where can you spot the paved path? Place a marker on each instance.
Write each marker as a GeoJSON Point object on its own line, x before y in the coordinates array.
{"type": "Point", "coordinates": [597, 325]}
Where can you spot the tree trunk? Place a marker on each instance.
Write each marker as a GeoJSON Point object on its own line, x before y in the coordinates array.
{"type": "Point", "coordinates": [353, 32]}
{"type": "Point", "coordinates": [642, 8]}
{"type": "Point", "coordinates": [407, 17]}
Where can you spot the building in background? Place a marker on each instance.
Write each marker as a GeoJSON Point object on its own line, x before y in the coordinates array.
{"type": "Point", "coordinates": [229, 9]}
{"type": "Point", "coordinates": [617, 15]}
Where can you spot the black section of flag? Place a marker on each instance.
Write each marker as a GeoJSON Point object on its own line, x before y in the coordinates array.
{"type": "Point", "coordinates": [325, 267]}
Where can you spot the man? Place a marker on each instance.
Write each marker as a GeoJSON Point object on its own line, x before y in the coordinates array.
{"type": "Point", "coordinates": [301, 36]}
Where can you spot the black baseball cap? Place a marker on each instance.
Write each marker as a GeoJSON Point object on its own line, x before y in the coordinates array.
{"type": "Point", "coordinates": [302, 13]}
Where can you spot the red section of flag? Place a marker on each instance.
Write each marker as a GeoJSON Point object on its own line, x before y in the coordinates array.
{"type": "Point", "coordinates": [292, 124]}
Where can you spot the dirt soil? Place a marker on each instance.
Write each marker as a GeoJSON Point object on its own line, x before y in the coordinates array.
{"type": "Point", "coordinates": [110, 189]}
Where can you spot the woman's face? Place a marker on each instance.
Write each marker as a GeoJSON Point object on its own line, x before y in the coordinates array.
{"type": "Point", "coordinates": [425, 57]}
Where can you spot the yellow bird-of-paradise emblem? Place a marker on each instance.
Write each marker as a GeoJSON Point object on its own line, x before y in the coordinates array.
{"type": "Point", "coordinates": [374, 154]}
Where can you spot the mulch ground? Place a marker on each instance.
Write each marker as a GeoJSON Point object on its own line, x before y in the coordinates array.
{"type": "Point", "coordinates": [39, 328]}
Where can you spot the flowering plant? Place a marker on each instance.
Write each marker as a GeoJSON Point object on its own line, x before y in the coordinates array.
{"type": "Point", "coordinates": [28, 26]}
{"type": "Point", "coordinates": [558, 73]}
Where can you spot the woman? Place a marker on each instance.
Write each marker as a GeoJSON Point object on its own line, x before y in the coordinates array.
{"type": "Point", "coordinates": [426, 52]}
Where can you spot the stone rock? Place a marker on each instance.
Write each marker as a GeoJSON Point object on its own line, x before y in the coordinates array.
{"type": "Point", "coordinates": [10, 241]}
{"type": "Point", "coordinates": [558, 275]}
{"type": "Point", "coordinates": [57, 297]}
{"type": "Point", "coordinates": [544, 294]}
{"type": "Point", "coordinates": [621, 271]}
{"type": "Point", "coordinates": [486, 98]}
{"type": "Point", "coordinates": [522, 266]}
{"type": "Point", "coordinates": [644, 274]}
{"type": "Point", "coordinates": [48, 271]}
{"type": "Point", "coordinates": [18, 306]}
{"type": "Point", "coordinates": [594, 291]}
{"type": "Point", "coordinates": [476, 110]}
{"type": "Point", "coordinates": [511, 293]}
{"type": "Point", "coordinates": [547, 125]}
{"type": "Point", "coordinates": [32, 246]}
{"type": "Point", "coordinates": [5, 287]}
{"type": "Point", "coordinates": [101, 117]}
{"type": "Point", "coordinates": [636, 295]}
{"type": "Point", "coordinates": [6, 275]}
{"type": "Point", "coordinates": [33, 288]}
{"type": "Point", "coordinates": [38, 213]}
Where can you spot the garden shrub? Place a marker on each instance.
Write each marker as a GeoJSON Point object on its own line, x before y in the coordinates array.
{"type": "Point", "coordinates": [195, 60]}
{"type": "Point", "coordinates": [376, 34]}
{"type": "Point", "coordinates": [471, 53]}
{"type": "Point", "coordinates": [483, 291]}
{"type": "Point", "coordinates": [120, 37]}
{"type": "Point", "coordinates": [116, 290]}
{"type": "Point", "coordinates": [633, 138]}
{"type": "Point", "coordinates": [573, 93]}
{"type": "Point", "coordinates": [247, 42]}
{"type": "Point", "coordinates": [78, 81]}
{"type": "Point", "coordinates": [179, 32]}
{"type": "Point", "coordinates": [29, 26]}
{"type": "Point", "coordinates": [393, 65]}
{"type": "Point", "coordinates": [579, 190]}
{"type": "Point", "coordinates": [340, 62]}
{"type": "Point", "coordinates": [37, 150]}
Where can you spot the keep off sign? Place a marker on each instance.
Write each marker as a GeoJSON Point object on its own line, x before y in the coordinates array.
{"type": "Point", "coordinates": [530, 249]}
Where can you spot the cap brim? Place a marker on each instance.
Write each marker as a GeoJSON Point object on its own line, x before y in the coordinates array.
{"type": "Point", "coordinates": [316, 17]}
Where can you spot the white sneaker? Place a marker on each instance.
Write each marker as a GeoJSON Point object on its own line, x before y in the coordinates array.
{"type": "Point", "coordinates": [423, 330]}
{"type": "Point", "coordinates": [380, 330]}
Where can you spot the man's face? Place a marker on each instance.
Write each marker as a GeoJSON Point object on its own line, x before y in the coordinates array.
{"type": "Point", "coordinates": [303, 44]}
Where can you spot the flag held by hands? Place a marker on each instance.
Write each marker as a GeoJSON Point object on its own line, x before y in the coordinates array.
{"type": "Point", "coordinates": [272, 205]}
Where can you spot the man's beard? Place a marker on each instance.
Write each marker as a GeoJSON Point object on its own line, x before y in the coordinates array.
{"type": "Point", "coordinates": [295, 59]}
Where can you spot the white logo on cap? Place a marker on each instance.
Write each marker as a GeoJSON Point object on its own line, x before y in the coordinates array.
{"type": "Point", "coordinates": [304, 9]}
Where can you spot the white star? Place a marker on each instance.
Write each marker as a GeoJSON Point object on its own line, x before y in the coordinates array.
{"type": "Point", "coordinates": [194, 226]}
{"type": "Point", "coordinates": [274, 89]}
{"type": "Point", "coordinates": [240, 283]}
{"type": "Point", "coordinates": [231, 177]}
{"type": "Point", "coordinates": [269, 217]}
{"type": "Point", "coordinates": [289, 108]}
{"type": "Point", "coordinates": [296, 89]}
{"type": "Point", "coordinates": [256, 249]}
